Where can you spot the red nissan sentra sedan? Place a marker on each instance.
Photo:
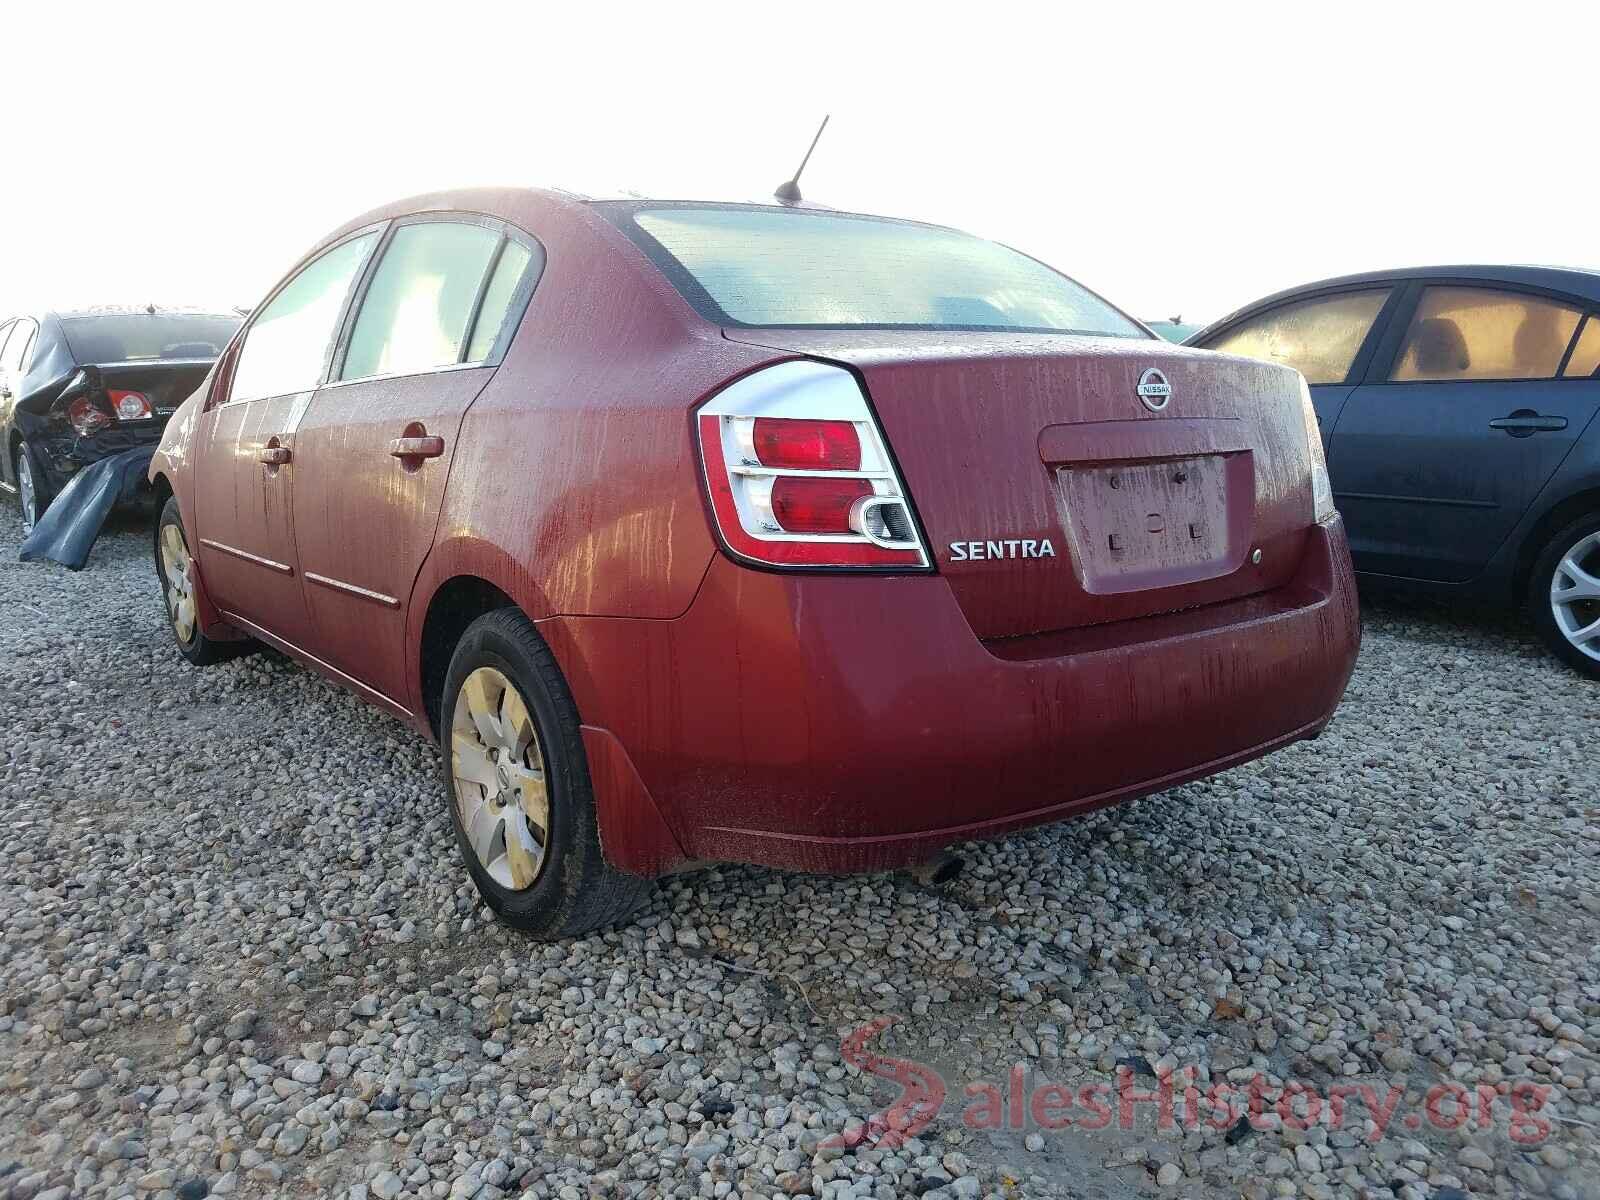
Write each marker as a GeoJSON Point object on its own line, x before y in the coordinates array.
{"type": "Point", "coordinates": [700, 532]}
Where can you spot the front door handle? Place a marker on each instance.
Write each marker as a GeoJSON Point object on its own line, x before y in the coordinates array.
{"type": "Point", "coordinates": [417, 447]}
{"type": "Point", "coordinates": [274, 456]}
{"type": "Point", "coordinates": [1525, 423]}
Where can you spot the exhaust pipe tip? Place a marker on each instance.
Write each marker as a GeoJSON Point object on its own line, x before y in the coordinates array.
{"type": "Point", "coordinates": [939, 870]}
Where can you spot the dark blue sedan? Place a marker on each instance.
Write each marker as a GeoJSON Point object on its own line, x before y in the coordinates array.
{"type": "Point", "coordinates": [1457, 407]}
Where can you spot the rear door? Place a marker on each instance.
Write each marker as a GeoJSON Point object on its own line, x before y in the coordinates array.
{"type": "Point", "coordinates": [373, 451]}
{"type": "Point", "coordinates": [1327, 337]}
{"type": "Point", "coordinates": [244, 459]}
{"type": "Point", "coordinates": [1477, 395]}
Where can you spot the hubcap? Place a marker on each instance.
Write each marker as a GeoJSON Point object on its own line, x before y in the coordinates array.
{"type": "Point", "coordinates": [1575, 595]}
{"type": "Point", "coordinates": [498, 772]}
{"type": "Point", "coordinates": [25, 489]}
{"type": "Point", "coordinates": [176, 569]}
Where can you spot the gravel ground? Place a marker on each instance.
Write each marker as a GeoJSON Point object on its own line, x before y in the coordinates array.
{"type": "Point", "coordinates": [240, 956]}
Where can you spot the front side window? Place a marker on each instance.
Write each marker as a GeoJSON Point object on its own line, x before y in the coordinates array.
{"type": "Point", "coordinates": [287, 345]}
{"type": "Point", "coordinates": [1481, 333]}
{"type": "Point", "coordinates": [1320, 338]}
{"type": "Point", "coordinates": [416, 310]}
{"type": "Point", "coordinates": [782, 267]}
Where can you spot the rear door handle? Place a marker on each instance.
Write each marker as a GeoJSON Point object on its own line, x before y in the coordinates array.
{"type": "Point", "coordinates": [1525, 422]}
{"type": "Point", "coordinates": [274, 456]}
{"type": "Point", "coordinates": [417, 447]}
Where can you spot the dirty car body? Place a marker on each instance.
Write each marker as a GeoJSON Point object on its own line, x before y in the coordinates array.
{"type": "Point", "coordinates": [850, 538]}
{"type": "Point", "coordinates": [77, 387]}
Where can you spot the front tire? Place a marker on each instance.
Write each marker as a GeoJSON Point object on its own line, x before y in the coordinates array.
{"type": "Point", "coordinates": [179, 593]}
{"type": "Point", "coordinates": [517, 783]}
{"type": "Point", "coordinates": [1564, 595]}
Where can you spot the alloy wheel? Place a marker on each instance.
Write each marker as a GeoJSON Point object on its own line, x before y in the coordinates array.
{"type": "Point", "coordinates": [27, 491]}
{"type": "Point", "coordinates": [178, 569]}
{"type": "Point", "coordinates": [1575, 595]}
{"type": "Point", "coordinates": [497, 770]}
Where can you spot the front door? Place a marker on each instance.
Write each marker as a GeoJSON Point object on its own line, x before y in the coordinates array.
{"type": "Point", "coordinates": [1434, 465]}
{"type": "Point", "coordinates": [245, 469]}
{"type": "Point", "coordinates": [242, 516]}
{"type": "Point", "coordinates": [373, 451]}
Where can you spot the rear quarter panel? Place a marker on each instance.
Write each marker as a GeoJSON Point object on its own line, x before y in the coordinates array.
{"type": "Point", "coordinates": [1572, 491]}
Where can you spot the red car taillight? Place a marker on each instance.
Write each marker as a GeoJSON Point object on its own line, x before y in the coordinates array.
{"type": "Point", "coordinates": [130, 406]}
{"type": "Point", "coordinates": [799, 475]}
{"type": "Point", "coordinates": [806, 445]}
{"type": "Point", "coordinates": [86, 416]}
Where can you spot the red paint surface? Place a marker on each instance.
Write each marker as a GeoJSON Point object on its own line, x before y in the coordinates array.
{"type": "Point", "coordinates": [833, 722]}
{"type": "Point", "coordinates": [811, 722]}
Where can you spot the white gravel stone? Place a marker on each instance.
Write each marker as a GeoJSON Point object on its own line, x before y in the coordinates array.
{"type": "Point", "coordinates": [240, 951]}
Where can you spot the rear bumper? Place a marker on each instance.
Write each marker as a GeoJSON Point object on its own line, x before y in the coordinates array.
{"type": "Point", "coordinates": [63, 454]}
{"type": "Point", "coordinates": [850, 723]}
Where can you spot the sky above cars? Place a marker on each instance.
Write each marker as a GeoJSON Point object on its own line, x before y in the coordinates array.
{"type": "Point", "coordinates": [1180, 159]}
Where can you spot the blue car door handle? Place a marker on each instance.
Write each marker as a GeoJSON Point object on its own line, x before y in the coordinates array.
{"type": "Point", "coordinates": [1525, 423]}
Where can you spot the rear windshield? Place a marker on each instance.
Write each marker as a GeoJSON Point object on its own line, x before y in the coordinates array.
{"type": "Point", "coordinates": [776, 267]}
{"type": "Point", "coordinates": [137, 337]}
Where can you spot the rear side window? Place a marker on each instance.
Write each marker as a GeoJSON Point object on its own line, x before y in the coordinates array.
{"type": "Point", "coordinates": [1320, 338]}
{"type": "Point", "coordinates": [508, 272]}
{"type": "Point", "coordinates": [11, 338]}
{"type": "Point", "coordinates": [287, 344]}
{"type": "Point", "coordinates": [28, 336]}
{"type": "Point", "coordinates": [780, 267]}
{"type": "Point", "coordinates": [1585, 358]}
{"type": "Point", "coordinates": [1481, 333]}
{"type": "Point", "coordinates": [417, 308]}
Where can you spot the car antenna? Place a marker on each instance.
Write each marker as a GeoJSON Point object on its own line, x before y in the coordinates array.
{"type": "Point", "coordinates": [789, 190]}
{"type": "Point", "coordinates": [151, 309]}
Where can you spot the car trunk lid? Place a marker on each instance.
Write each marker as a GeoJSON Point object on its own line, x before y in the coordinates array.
{"type": "Point", "coordinates": [1055, 496]}
{"type": "Point", "coordinates": [168, 383]}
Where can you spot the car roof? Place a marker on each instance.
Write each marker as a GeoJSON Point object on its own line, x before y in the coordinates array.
{"type": "Point", "coordinates": [1582, 282]}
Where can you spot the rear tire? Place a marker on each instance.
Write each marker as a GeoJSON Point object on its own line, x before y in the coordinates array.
{"type": "Point", "coordinates": [179, 594]}
{"type": "Point", "coordinates": [517, 783]}
{"type": "Point", "coordinates": [1564, 595]}
{"type": "Point", "coordinates": [33, 493]}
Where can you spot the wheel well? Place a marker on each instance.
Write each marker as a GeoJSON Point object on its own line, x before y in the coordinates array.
{"type": "Point", "coordinates": [161, 489]}
{"type": "Point", "coordinates": [458, 603]}
{"type": "Point", "coordinates": [1567, 511]}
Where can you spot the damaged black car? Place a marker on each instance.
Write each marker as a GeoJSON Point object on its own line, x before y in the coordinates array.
{"type": "Point", "coordinates": [79, 387]}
